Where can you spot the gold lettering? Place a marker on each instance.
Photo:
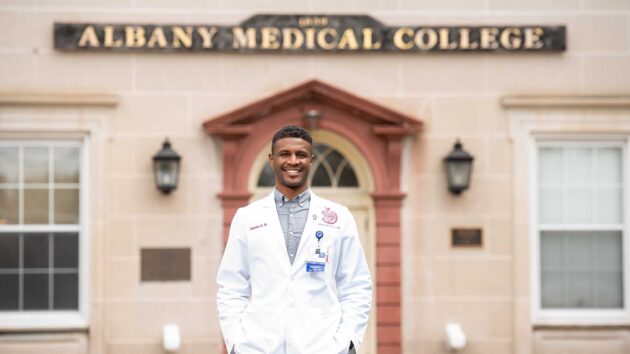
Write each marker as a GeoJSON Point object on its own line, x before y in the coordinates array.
{"type": "Point", "coordinates": [244, 39]}
{"type": "Point", "coordinates": [182, 37]}
{"type": "Point", "coordinates": [310, 38]}
{"type": "Point", "coordinates": [109, 41]}
{"type": "Point", "coordinates": [464, 40]}
{"type": "Point", "coordinates": [368, 39]}
{"type": "Point", "coordinates": [321, 38]}
{"type": "Point", "coordinates": [270, 38]}
{"type": "Point", "coordinates": [348, 39]}
{"type": "Point", "coordinates": [402, 38]}
{"type": "Point", "coordinates": [444, 43]}
{"type": "Point", "coordinates": [134, 36]}
{"type": "Point", "coordinates": [89, 38]}
{"type": "Point", "coordinates": [532, 38]}
{"type": "Point", "coordinates": [431, 38]}
{"type": "Point", "coordinates": [489, 38]}
{"type": "Point", "coordinates": [511, 38]}
{"type": "Point", "coordinates": [157, 37]}
{"type": "Point", "coordinates": [292, 38]}
{"type": "Point", "coordinates": [206, 36]}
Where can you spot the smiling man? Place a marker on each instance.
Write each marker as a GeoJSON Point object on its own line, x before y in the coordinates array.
{"type": "Point", "coordinates": [293, 278]}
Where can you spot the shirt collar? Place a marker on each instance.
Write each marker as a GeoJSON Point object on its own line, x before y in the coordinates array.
{"type": "Point", "coordinates": [280, 199]}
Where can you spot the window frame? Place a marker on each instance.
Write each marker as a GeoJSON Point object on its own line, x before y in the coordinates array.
{"type": "Point", "coordinates": [58, 319]}
{"type": "Point", "coordinates": [577, 316]}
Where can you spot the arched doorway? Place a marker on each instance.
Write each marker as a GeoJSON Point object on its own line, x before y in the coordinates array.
{"type": "Point", "coordinates": [373, 131]}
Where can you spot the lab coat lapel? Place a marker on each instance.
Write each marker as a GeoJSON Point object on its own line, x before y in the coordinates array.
{"type": "Point", "coordinates": [308, 240]}
{"type": "Point", "coordinates": [275, 230]}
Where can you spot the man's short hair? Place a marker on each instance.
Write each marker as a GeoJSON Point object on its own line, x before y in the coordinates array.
{"type": "Point", "coordinates": [291, 131]}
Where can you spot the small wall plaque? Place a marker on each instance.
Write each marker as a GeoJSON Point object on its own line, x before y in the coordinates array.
{"type": "Point", "coordinates": [165, 264]}
{"type": "Point", "coordinates": [466, 237]}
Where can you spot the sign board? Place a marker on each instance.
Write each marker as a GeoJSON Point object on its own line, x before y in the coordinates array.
{"type": "Point", "coordinates": [307, 34]}
{"type": "Point", "coordinates": [164, 264]}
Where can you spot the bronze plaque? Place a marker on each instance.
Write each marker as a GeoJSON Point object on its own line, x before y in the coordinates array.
{"type": "Point", "coordinates": [165, 264]}
{"type": "Point", "coordinates": [466, 237]}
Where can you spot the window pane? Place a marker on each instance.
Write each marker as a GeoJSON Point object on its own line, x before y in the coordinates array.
{"type": "Point", "coordinates": [609, 205]}
{"type": "Point", "coordinates": [321, 177]}
{"type": "Point", "coordinates": [36, 206]}
{"type": "Point", "coordinates": [579, 205]}
{"type": "Point", "coordinates": [9, 206]}
{"type": "Point", "coordinates": [36, 291]}
{"type": "Point", "coordinates": [66, 165]}
{"type": "Point", "coordinates": [66, 291]}
{"type": "Point", "coordinates": [348, 178]}
{"type": "Point", "coordinates": [35, 165]}
{"type": "Point", "coordinates": [35, 250]}
{"type": "Point", "coordinates": [334, 160]}
{"type": "Point", "coordinates": [608, 168]}
{"type": "Point", "coordinates": [319, 149]}
{"type": "Point", "coordinates": [550, 169]}
{"type": "Point", "coordinates": [66, 206]}
{"type": "Point", "coordinates": [579, 165]}
{"type": "Point", "coordinates": [9, 296]}
{"type": "Point", "coordinates": [9, 165]}
{"type": "Point", "coordinates": [551, 205]}
{"type": "Point", "coordinates": [266, 177]}
{"type": "Point", "coordinates": [581, 269]}
{"type": "Point", "coordinates": [9, 251]}
{"type": "Point", "coordinates": [66, 251]}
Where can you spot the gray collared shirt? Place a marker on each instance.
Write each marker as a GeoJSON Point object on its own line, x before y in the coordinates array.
{"type": "Point", "coordinates": [292, 215]}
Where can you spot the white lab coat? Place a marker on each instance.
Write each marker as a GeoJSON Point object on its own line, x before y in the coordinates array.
{"type": "Point", "coordinates": [266, 305]}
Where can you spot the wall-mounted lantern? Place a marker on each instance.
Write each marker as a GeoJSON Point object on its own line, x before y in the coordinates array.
{"type": "Point", "coordinates": [458, 168]}
{"type": "Point", "coordinates": [166, 168]}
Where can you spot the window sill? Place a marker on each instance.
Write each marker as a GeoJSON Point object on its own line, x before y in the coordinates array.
{"type": "Point", "coordinates": [42, 321]}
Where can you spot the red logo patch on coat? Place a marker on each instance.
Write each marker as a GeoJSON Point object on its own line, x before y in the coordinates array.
{"type": "Point", "coordinates": [329, 216]}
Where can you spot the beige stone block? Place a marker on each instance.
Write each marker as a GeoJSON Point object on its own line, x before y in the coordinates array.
{"type": "Point", "coordinates": [473, 277]}
{"type": "Point", "coordinates": [189, 5]}
{"type": "Point", "coordinates": [263, 74]}
{"type": "Point", "coordinates": [597, 33]}
{"type": "Point", "coordinates": [467, 115]}
{"type": "Point", "coordinates": [122, 278]}
{"type": "Point", "coordinates": [358, 6]}
{"type": "Point", "coordinates": [121, 154]}
{"type": "Point", "coordinates": [480, 319]}
{"type": "Point", "coordinates": [178, 72]}
{"type": "Point", "coordinates": [443, 74]}
{"type": "Point", "coordinates": [431, 236]}
{"type": "Point", "coordinates": [96, 72]}
{"type": "Point", "coordinates": [147, 347]}
{"type": "Point", "coordinates": [534, 5]}
{"type": "Point", "coordinates": [196, 234]}
{"type": "Point", "coordinates": [411, 345]}
{"type": "Point", "coordinates": [207, 107]}
{"type": "Point", "coordinates": [204, 273]}
{"type": "Point", "coordinates": [143, 321]}
{"type": "Point", "coordinates": [205, 347]}
{"type": "Point", "coordinates": [204, 200]}
{"type": "Point", "coordinates": [499, 155]}
{"type": "Point", "coordinates": [201, 157]}
{"type": "Point", "coordinates": [522, 326]}
{"type": "Point", "coordinates": [62, 343]}
{"type": "Point", "coordinates": [489, 346]}
{"type": "Point", "coordinates": [164, 114]}
{"type": "Point", "coordinates": [606, 73]}
{"type": "Point", "coordinates": [120, 238]}
{"type": "Point", "coordinates": [139, 196]}
{"type": "Point", "coordinates": [18, 70]}
{"type": "Point", "coordinates": [359, 74]}
{"type": "Point", "coordinates": [24, 30]}
{"type": "Point", "coordinates": [98, 4]}
{"type": "Point", "coordinates": [263, 6]}
{"type": "Point", "coordinates": [605, 5]}
{"type": "Point", "coordinates": [418, 108]}
{"type": "Point", "coordinates": [582, 341]}
{"type": "Point", "coordinates": [447, 5]}
{"type": "Point", "coordinates": [522, 261]}
{"type": "Point", "coordinates": [418, 279]}
{"type": "Point", "coordinates": [528, 73]}
{"type": "Point", "coordinates": [498, 236]}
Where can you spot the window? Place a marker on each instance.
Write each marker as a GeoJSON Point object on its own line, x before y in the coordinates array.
{"type": "Point", "coordinates": [580, 229]}
{"type": "Point", "coordinates": [330, 169]}
{"type": "Point", "coordinates": [40, 227]}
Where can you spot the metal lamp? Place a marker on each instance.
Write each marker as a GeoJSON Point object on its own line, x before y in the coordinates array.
{"type": "Point", "coordinates": [166, 168]}
{"type": "Point", "coordinates": [458, 168]}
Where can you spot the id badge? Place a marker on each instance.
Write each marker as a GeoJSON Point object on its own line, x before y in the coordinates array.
{"type": "Point", "coordinates": [317, 261]}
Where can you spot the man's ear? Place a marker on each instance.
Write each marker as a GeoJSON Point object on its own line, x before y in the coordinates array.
{"type": "Point", "coordinates": [270, 158]}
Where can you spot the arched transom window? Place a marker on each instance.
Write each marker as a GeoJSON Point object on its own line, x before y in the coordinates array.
{"type": "Point", "coordinates": [330, 169]}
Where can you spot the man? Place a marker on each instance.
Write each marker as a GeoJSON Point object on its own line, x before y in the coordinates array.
{"type": "Point", "coordinates": [308, 292]}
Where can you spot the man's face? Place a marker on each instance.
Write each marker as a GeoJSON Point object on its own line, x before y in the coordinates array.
{"type": "Point", "coordinates": [291, 160]}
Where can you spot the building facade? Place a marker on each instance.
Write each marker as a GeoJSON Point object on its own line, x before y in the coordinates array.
{"type": "Point", "coordinates": [95, 259]}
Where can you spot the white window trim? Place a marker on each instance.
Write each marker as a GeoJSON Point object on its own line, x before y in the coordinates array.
{"type": "Point", "coordinates": [577, 316]}
{"type": "Point", "coordinates": [67, 116]}
{"type": "Point", "coordinates": [33, 320]}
